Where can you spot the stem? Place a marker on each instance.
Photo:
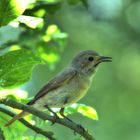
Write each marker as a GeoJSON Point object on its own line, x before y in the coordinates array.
{"type": "Point", "coordinates": [32, 127]}
{"type": "Point", "coordinates": [45, 116]}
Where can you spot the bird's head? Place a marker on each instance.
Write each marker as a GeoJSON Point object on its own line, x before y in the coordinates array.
{"type": "Point", "coordinates": [88, 61]}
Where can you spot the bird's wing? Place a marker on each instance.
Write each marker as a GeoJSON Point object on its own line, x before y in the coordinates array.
{"type": "Point", "coordinates": [55, 83]}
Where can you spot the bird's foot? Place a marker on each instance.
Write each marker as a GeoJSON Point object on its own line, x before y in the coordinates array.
{"type": "Point", "coordinates": [55, 119]}
{"type": "Point", "coordinates": [55, 116]}
{"type": "Point", "coordinates": [82, 129]}
{"type": "Point", "coordinates": [63, 115]}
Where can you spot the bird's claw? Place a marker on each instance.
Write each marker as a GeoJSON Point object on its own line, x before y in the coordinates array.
{"type": "Point", "coordinates": [79, 126]}
{"type": "Point", "coordinates": [55, 118]}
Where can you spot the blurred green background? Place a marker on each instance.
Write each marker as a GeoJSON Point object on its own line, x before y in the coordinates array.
{"type": "Point", "coordinates": [112, 28]}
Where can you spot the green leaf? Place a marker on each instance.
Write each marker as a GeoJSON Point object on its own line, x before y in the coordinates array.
{"type": "Point", "coordinates": [11, 9]}
{"type": "Point", "coordinates": [15, 94]}
{"type": "Point", "coordinates": [15, 131]}
{"type": "Point", "coordinates": [87, 111]}
{"type": "Point", "coordinates": [79, 138]}
{"type": "Point", "coordinates": [30, 21]}
{"type": "Point", "coordinates": [16, 67]}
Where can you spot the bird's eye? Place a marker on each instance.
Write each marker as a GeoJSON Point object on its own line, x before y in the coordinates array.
{"type": "Point", "coordinates": [90, 58]}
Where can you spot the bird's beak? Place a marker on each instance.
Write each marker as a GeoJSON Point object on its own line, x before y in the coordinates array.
{"type": "Point", "coordinates": [105, 59]}
{"type": "Point", "coordinates": [102, 59]}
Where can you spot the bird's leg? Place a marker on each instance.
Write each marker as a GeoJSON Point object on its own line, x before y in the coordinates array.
{"type": "Point", "coordinates": [81, 127]}
{"type": "Point", "coordinates": [62, 111]}
{"type": "Point", "coordinates": [55, 116]}
{"type": "Point", "coordinates": [78, 125]}
{"type": "Point", "coordinates": [54, 113]}
{"type": "Point", "coordinates": [63, 115]}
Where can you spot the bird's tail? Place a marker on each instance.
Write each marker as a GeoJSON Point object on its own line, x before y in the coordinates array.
{"type": "Point", "coordinates": [20, 115]}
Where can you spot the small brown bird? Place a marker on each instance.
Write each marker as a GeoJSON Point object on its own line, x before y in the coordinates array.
{"type": "Point", "coordinates": [69, 86]}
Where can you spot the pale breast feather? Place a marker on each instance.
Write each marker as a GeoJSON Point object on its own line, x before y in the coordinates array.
{"type": "Point", "coordinates": [81, 86]}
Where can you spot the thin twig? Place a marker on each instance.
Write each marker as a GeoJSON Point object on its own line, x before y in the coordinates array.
{"type": "Point", "coordinates": [34, 128]}
{"type": "Point", "coordinates": [45, 116]}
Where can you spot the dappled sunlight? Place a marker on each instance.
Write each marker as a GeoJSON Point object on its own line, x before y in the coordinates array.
{"type": "Point", "coordinates": [32, 22]}
{"type": "Point", "coordinates": [51, 58]}
{"type": "Point", "coordinates": [15, 47]}
{"type": "Point", "coordinates": [53, 32]}
{"type": "Point", "coordinates": [83, 109]}
{"type": "Point", "coordinates": [21, 4]}
{"type": "Point", "coordinates": [39, 38]}
{"type": "Point", "coordinates": [17, 93]}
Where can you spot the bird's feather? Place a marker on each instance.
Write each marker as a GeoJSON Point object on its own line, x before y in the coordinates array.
{"type": "Point", "coordinates": [60, 80]}
{"type": "Point", "coordinates": [18, 116]}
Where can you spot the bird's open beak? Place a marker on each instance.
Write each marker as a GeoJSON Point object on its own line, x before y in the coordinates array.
{"type": "Point", "coordinates": [102, 59]}
{"type": "Point", "coordinates": [105, 59]}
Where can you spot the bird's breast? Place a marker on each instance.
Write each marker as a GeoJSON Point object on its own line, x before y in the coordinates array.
{"type": "Point", "coordinates": [65, 95]}
{"type": "Point", "coordinates": [78, 89]}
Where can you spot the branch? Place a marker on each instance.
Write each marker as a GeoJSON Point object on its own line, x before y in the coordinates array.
{"type": "Point", "coordinates": [34, 128]}
{"type": "Point", "coordinates": [45, 116]}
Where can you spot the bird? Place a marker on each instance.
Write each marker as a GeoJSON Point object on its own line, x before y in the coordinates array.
{"type": "Point", "coordinates": [67, 87]}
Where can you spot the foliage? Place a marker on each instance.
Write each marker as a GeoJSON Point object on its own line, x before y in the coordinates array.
{"type": "Point", "coordinates": [82, 109]}
{"type": "Point", "coordinates": [10, 10]}
{"type": "Point", "coordinates": [16, 67]}
{"type": "Point", "coordinates": [42, 28]}
{"type": "Point", "coordinates": [27, 39]}
{"type": "Point", "coordinates": [10, 132]}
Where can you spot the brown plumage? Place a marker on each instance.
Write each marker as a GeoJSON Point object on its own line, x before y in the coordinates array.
{"type": "Point", "coordinates": [69, 86]}
{"type": "Point", "coordinates": [20, 115]}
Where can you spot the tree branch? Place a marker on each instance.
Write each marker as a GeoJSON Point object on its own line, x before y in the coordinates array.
{"type": "Point", "coordinates": [45, 116]}
{"type": "Point", "coordinates": [34, 128]}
